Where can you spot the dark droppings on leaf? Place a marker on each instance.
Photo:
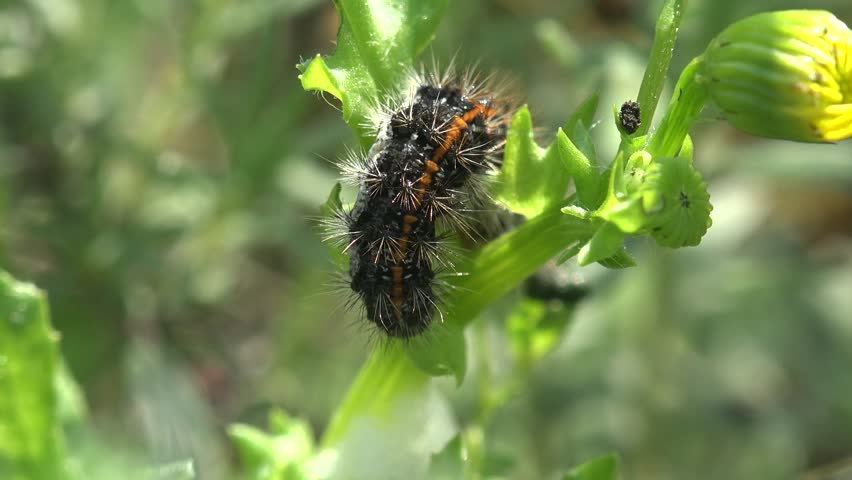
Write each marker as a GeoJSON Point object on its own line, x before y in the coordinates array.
{"type": "Point", "coordinates": [684, 200]}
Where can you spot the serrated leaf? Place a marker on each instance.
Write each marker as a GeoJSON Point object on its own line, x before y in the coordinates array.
{"type": "Point", "coordinates": [532, 178]}
{"type": "Point", "coordinates": [377, 43]}
{"type": "Point", "coordinates": [601, 468]}
{"type": "Point", "coordinates": [31, 446]}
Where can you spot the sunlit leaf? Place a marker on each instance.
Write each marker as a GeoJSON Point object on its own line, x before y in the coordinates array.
{"type": "Point", "coordinates": [532, 178]}
{"type": "Point", "coordinates": [31, 446]}
{"type": "Point", "coordinates": [377, 44]}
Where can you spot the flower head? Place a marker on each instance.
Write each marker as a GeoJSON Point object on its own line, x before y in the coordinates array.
{"type": "Point", "coordinates": [784, 74]}
{"type": "Point", "coordinates": [664, 197]}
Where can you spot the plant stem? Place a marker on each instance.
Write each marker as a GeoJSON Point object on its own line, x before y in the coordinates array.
{"type": "Point", "coordinates": [496, 269]}
{"type": "Point", "coordinates": [506, 262]}
{"type": "Point", "coordinates": [665, 35]}
{"type": "Point", "coordinates": [387, 372]}
{"type": "Point", "coordinates": [687, 103]}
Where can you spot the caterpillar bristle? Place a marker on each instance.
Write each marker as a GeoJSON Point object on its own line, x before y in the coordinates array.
{"type": "Point", "coordinates": [438, 139]}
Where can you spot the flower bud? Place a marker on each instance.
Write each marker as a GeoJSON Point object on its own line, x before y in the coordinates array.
{"type": "Point", "coordinates": [664, 197]}
{"type": "Point", "coordinates": [783, 75]}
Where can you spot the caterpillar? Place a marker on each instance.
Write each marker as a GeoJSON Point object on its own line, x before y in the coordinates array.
{"type": "Point", "coordinates": [422, 179]}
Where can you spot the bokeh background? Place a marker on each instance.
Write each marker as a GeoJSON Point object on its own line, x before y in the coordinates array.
{"type": "Point", "coordinates": [160, 166]}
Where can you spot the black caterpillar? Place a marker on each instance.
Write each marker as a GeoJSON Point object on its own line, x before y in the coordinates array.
{"type": "Point", "coordinates": [421, 177]}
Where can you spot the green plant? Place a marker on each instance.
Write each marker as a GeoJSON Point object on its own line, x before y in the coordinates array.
{"type": "Point", "coordinates": [43, 431]}
{"type": "Point", "coordinates": [394, 421]}
{"type": "Point", "coordinates": [650, 188]}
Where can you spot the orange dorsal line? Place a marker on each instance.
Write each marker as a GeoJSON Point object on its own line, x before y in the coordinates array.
{"type": "Point", "coordinates": [457, 125]}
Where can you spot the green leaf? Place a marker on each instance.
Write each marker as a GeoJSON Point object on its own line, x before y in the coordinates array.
{"type": "Point", "coordinates": [441, 351]}
{"type": "Point", "coordinates": [448, 464]}
{"type": "Point", "coordinates": [622, 259]}
{"type": "Point", "coordinates": [532, 179]}
{"type": "Point", "coordinates": [686, 149]}
{"type": "Point", "coordinates": [579, 153]}
{"type": "Point", "coordinates": [333, 204]}
{"type": "Point", "coordinates": [71, 404]}
{"type": "Point", "coordinates": [590, 186]}
{"type": "Point", "coordinates": [601, 468]}
{"type": "Point", "coordinates": [277, 455]}
{"type": "Point", "coordinates": [607, 241]}
{"type": "Point", "coordinates": [582, 138]}
{"type": "Point", "coordinates": [584, 114]}
{"type": "Point", "coordinates": [31, 444]}
{"type": "Point", "coordinates": [570, 252]}
{"type": "Point", "coordinates": [377, 43]}
{"type": "Point", "coordinates": [616, 188]}
{"type": "Point", "coordinates": [628, 216]}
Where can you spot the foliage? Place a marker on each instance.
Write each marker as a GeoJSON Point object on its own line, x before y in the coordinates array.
{"type": "Point", "coordinates": [653, 189]}
{"type": "Point", "coordinates": [159, 166]}
{"type": "Point", "coordinates": [31, 443]}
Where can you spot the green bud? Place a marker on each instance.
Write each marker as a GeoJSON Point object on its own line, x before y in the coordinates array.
{"type": "Point", "coordinates": [664, 197]}
{"type": "Point", "coordinates": [783, 75]}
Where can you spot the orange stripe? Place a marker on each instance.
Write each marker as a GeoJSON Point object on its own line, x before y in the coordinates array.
{"type": "Point", "coordinates": [432, 166]}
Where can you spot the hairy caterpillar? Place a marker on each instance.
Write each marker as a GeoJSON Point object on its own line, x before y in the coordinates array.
{"type": "Point", "coordinates": [421, 180]}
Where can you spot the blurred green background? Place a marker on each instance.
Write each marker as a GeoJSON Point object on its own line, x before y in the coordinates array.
{"type": "Point", "coordinates": [160, 166]}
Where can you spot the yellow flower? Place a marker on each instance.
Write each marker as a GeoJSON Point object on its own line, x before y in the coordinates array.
{"type": "Point", "coordinates": [783, 75]}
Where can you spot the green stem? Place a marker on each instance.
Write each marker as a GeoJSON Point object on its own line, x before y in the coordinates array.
{"type": "Point", "coordinates": [506, 262]}
{"type": "Point", "coordinates": [386, 373]}
{"type": "Point", "coordinates": [665, 35]}
{"type": "Point", "coordinates": [495, 270]}
{"type": "Point", "coordinates": [687, 103]}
